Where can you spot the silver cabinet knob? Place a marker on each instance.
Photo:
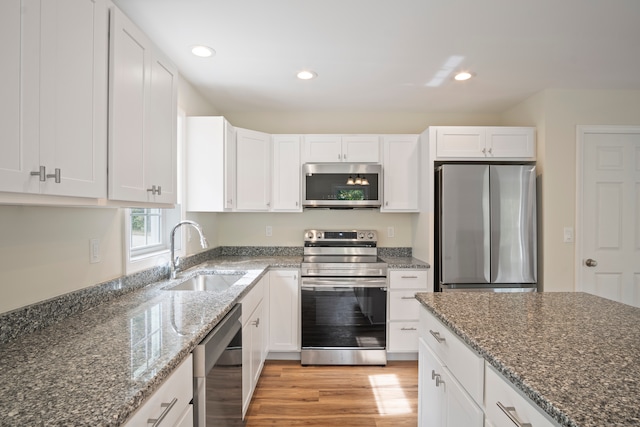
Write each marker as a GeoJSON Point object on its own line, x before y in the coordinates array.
{"type": "Point", "coordinates": [591, 262]}
{"type": "Point", "coordinates": [41, 173]}
{"type": "Point", "coordinates": [55, 175]}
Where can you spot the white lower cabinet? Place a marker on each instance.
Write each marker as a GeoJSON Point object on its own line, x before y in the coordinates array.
{"type": "Point", "coordinates": [505, 406]}
{"type": "Point", "coordinates": [284, 303]}
{"type": "Point", "coordinates": [254, 327]}
{"type": "Point", "coordinates": [443, 401]}
{"type": "Point", "coordinates": [451, 371]}
{"type": "Point", "coordinates": [456, 387]}
{"type": "Point", "coordinates": [170, 402]}
{"type": "Point", "coordinates": [404, 308]}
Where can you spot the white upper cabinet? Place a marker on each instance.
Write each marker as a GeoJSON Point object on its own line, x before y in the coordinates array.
{"type": "Point", "coordinates": [142, 117]}
{"type": "Point", "coordinates": [287, 172]}
{"type": "Point", "coordinates": [253, 170]}
{"type": "Point", "coordinates": [210, 164]}
{"type": "Point", "coordinates": [54, 97]}
{"type": "Point", "coordinates": [400, 168]}
{"type": "Point", "coordinates": [341, 148]}
{"type": "Point", "coordinates": [486, 143]}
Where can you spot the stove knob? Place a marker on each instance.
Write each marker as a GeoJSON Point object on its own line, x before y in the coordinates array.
{"type": "Point", "coordinates": [309, 234]}
{"type": "Point", "coordinates": [319, 235]}
{"type": "Point", "coordinates": [360, 235]}
{"type": "Point", "coordinates": [370, 236]}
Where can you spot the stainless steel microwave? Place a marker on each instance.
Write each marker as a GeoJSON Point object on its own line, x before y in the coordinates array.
{"type": "Point", "coordinates": [341, 185]}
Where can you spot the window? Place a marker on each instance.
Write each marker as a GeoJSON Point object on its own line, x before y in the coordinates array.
{"type": "Point", "coordinates": [147, 234]}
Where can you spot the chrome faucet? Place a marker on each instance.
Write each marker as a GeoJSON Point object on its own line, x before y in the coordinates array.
{"type": "Point", "coordinates": [175, 261]}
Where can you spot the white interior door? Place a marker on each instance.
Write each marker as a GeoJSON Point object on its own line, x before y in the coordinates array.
{"type": "Point", "coordinates": [609, 185]}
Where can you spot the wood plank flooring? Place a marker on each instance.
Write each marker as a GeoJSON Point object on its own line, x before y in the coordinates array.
{"type": "Point", "coordinates": [289, 394]}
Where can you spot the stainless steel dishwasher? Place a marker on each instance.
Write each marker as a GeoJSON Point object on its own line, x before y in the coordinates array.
{"type": "Point", "coordinates": [217, 374]}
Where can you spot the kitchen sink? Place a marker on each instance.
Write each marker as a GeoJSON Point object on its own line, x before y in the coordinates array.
{"type": "Point", "coordinates": [209, 282]}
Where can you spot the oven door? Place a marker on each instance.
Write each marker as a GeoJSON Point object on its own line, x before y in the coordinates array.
{"type": "Point", "coordinates": [344, 316]}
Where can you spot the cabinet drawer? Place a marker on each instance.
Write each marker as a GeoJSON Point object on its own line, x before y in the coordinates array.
{"type": "Point", "coordinates": [499, 392]}
{"type": "Point", "coordinates": [403, 336]}
{"type": "Point", "coordinates": [172, 398]}
{"type": "Point", "coordinates": [408, 279]}
{"type": "Point", "coordinates": [403, 305]}
{"type": "Point", "coordinates": [251, 300]}
{"type": "Point", "coordinates": [465, 364]}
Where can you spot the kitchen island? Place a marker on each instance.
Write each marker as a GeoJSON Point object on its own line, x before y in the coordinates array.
{"type": "Point", "coordinates": [573, 355]}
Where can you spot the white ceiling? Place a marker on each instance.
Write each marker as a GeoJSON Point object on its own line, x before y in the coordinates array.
{"type": "Point", "coordinates": [379, 55]}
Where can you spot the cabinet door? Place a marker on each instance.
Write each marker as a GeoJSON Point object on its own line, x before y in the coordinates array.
{"type": "Point", "coordinates": [160, 126]}
{"type": "Point", "coordinates": [464, 141]}
{"type": "Point", "coordinates": [401, 183]}
{"type": "Point", "coordinates": [431, 397]}
{"type": "Point", "coordinates": [284, 297]}
{"type": "Point", "coordinates": [73, 96]}
{"type": "Point", "coordinates": [322, 148]}
{"type": "Point", "coordinates": [253, 172]}
{"type": "Point", "coordinates": [130, 71]}
{"type": "Point", "coordinates": [459, 408]}
{"type": "Point", "coordinates": [514, 142]}
{"type": "Point", "coordinates": [286, 173]}
{"type": "Point", "coordinates": [365, 149]}
{"type": "Point", "coordinates": [210, 164]}
{"type": "Point", "coordinates": [19, 155]}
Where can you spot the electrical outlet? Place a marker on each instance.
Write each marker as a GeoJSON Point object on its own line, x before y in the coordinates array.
{"type": "Point", "coordinates": [391, 232]}
{"type": "Point", "coordinates": [269, 231]}
{"type": "Point", "coordinates": [94, 251]}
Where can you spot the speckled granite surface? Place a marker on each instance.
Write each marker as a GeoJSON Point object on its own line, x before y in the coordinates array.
{"type": "Point", "coordinates": [576, 355]}
{"type": "Point", "coordinates": [404, 262]}
{"type": "Point", "coordinates": [96, 367]}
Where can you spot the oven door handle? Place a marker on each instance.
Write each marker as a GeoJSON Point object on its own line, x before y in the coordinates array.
{"type": "Point", "coordinates": [342, 283]}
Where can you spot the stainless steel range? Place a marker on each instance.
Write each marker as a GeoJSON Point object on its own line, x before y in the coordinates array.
{"type": "Point", "coordinates": [344, 299]}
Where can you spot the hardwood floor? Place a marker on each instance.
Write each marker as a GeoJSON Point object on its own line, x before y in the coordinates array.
{"type": "Point", "coordinates": [289, 394]}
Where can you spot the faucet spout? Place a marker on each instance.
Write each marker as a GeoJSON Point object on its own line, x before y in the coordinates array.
{"type": "Point", "coordinates": [174, 259]}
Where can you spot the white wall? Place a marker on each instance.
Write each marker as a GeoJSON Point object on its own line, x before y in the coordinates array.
{"type": "Point", "coordinates": [44, 251]}
{"type": "Point", "coordinates": [248, 229]}
{"type": "Point", "coordinates": [557, 113]}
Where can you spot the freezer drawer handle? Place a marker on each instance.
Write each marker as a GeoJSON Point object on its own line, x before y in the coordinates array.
{"type": "Point", "coordinates": [408, 277]}
{"type": "Point", "coordinates": [168, 406]}
{"type": "Point", "coordinates": [510, 412]}
{"type": "Point", "coordinates": [437, 336]}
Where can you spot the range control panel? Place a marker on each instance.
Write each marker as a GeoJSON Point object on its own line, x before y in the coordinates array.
{"type": "Point", "coordinates": [341, 236]}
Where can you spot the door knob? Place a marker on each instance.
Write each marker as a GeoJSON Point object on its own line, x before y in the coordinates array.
{"type": "Point", "coordinates": [591, 262]}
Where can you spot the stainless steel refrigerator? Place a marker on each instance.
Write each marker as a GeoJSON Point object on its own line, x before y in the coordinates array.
{"type": "Point", "coordinates": [486, 235]}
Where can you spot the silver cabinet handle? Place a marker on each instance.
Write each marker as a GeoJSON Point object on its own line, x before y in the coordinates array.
{"type": "Point", "coordinates": [437, 336]}
{"type": "Point", "coordinates": [344, 157]}
{"type": "Point", "coordinates": [589, 263]}
{"type": "Point", "coordinates": [159, 193]}
{"type": "Point", "coordinates": [510, 412]}
{"type": "Point", "coordinates": [339, 156]}
{"type": "Point", "coordinates": [436, 377]}
{"type": "Point", "coordinates": [167, 407]}
{"type": "Point", "coordinates": [153, 190]}
{"type": "Point", "coordinates": [484, 151]}
{"type": "Point", "coordinates": [40, 173]}
{"type": "Point", "coordinates": [408, 277]}
{"type": "Point", "coordinates": [407, 297]}
{"type": "Point", "coordinates": [55, 175]}
{"type": "Point", "coordinates": [256, 322]}
{"type": "Point", "coordinates": [489, 150]}
{"type": "Point", "coordinates": [407, 329]}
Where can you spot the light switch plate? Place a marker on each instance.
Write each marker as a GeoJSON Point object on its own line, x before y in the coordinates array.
{"type": "Point", "coordinates": [94, 251]}
{"type": "Point", "coordinates": [391, 232]}
{"type": "Point", "coordinates": [269, 231]}
{"type": "Point", "coordinates": [568, 234]}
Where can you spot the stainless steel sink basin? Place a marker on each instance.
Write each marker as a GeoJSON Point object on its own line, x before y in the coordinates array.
{"type": "Point", "coordinates": [208, 282]}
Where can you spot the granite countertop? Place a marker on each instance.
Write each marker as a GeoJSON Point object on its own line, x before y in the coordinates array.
{"type": "Point", "coordinates": [404, 262]}
{"type": "Point", "coordinates": [577, 356]}
{"type": "Point", "coordinates": [96, 368]}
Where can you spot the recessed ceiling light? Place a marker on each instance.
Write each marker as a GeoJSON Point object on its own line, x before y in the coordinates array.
{"type": "Point", "coordinates": [464, 75]}
{"type": "Point", "coordinates": [307, 75]}
{"type": "Point", "coordinates": [202, 51]}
